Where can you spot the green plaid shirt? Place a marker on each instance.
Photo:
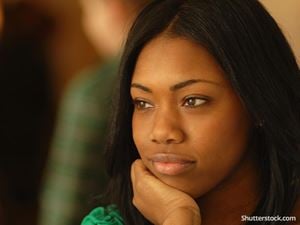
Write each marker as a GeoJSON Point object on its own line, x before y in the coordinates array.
{"type": "Point", "coordinates": [75, 174]}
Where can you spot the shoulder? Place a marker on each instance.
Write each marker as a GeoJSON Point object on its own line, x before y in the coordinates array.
{"type": "Point", "coordinates": [109, 215]}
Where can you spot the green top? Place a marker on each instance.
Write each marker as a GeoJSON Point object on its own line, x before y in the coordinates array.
{"type": "Point", "coordinates": [104, 216]}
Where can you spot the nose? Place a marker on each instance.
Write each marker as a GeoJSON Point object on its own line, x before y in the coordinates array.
{"type": "Point", "coordinates": [166, 129]}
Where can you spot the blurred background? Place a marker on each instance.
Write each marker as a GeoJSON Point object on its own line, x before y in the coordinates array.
{"type": "Point", "coordinates": [43, 48]}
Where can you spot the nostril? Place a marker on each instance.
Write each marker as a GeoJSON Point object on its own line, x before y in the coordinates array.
{"type": "Point", "coordinates": [155, 141]}
{"type": "Point", "coordinates": [165, 141]}
{"type": "Point", "coordinates": [170, 141]}
{"type": "Point", "coordinates": [166, 132]}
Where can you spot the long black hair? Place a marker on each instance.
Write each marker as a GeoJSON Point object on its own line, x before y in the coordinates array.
{"type": "Point", "coordinates": [259, 63]}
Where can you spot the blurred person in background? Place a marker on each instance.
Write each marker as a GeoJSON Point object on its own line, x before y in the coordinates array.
{"type": "Point", "coordinates": [68, 49]}
{"type": "Point", "coordinates": [39, 41]}
{"type": "Point", "coordinates": [25, 110]}
{"type": "Point", "coordinates": [75, 174]}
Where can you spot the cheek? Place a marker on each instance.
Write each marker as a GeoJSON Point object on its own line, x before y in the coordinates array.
{"type": "Point", "coordinates": [217, 140]}
{"type": "Point", "coordinates": [225, 126]}
{"type": "Point", "coordinates": [220, 132]}
{"type": "Point", "coordinates": [221, 137]}
{"type": "Point", "coordinates": [219, 143]}
{"type": "Point", "coordinates": [140, 130]}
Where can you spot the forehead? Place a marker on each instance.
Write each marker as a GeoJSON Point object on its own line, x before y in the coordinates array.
{"type": "Point", "coordinates": [176, 58]}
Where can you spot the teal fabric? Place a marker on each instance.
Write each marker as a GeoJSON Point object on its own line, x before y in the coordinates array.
{"type": "Point", "coordinates": [104, 216]}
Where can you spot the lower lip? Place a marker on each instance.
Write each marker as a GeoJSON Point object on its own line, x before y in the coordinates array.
{"type": "Point", "coordinates": [172, 168]}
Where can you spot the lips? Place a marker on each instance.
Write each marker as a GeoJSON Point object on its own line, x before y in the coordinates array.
{"type": "Point", "coordinates": [171, 164]}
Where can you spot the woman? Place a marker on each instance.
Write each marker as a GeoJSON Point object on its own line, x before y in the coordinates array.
{"type": "Point", "coordinates": [213, 133]}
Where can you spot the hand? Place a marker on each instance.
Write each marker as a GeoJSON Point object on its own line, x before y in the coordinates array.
{"type": "Point", "coordinates": [160, 203]}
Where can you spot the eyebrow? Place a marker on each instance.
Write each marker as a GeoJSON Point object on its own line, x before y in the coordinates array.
{"type": "Point", "coordinates": [141, 87]}
{"type": "Point", "coordinates": [174, 87]}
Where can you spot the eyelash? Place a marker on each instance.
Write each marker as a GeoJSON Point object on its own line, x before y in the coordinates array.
{"type": "Point", "coordinates": [137, 104]}
{"type": "Point", "coordinates": [140, 104]}
{"type": "Point", "coordinates": [203, 100]}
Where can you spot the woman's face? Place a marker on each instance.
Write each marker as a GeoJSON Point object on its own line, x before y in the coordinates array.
{"type": "Point", "coordinates": [189, 126]}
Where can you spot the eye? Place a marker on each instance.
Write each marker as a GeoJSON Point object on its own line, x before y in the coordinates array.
{"type": "Point", "coordinates": [141, 104]}
{"type": "Point", "coordinates": [194, 101]}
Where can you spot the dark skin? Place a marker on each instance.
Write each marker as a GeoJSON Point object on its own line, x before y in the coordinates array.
{"type": "Point", "coordinates": [176, 121]}
{"type": "Point", "coordinates": [188, 123]}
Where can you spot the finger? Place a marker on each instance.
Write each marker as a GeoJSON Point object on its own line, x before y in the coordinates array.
{"type": "Point", "coordinates": [139, 182]}
{"type": "Point", "coordinates": [138, 170]}
{"type": "Point", "coordinates": [132, 172]}
{"type": "Point", "coordinates": [140, 176]}
{"type": "Point", "coordinates": [133, 179]}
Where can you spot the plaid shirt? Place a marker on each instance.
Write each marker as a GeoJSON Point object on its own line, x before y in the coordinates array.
{"type": "Point", "coordinates": [75, 174]}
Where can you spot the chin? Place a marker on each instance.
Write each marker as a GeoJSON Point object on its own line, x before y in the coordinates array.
{"type": "Point", "coordinates": [185, 185]}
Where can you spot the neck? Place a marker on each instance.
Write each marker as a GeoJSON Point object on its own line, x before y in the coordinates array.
{"type": "Point", "coordinates": [236, 196]}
